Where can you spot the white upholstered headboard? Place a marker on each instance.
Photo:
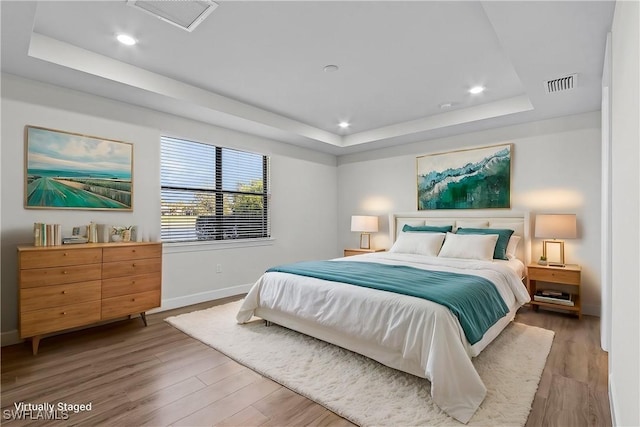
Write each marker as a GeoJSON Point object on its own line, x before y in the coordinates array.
{"type": "Point", "coordinates": [517, 221]}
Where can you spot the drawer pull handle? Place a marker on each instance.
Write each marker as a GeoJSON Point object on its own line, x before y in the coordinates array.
{"type": "Point", "coordinates": [64, 312]}
{"type": "Point", "coordinates": [64, 292]}
{"type": "Point", "coordinates": [65, 254]}
{"type": "Point", "coordinates": [133, 300]}
{"type": "Point", "coordinates": [133, 251]}
{"type": "Point", "coordinates": [133, 282]}
{"type": "Point", "coordinates": [64, 271]}
{"type": "Point", "coordinates": [133, 265]}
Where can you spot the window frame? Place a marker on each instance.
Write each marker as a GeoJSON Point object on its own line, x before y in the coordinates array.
{"type": "Point", "coordinates": [219, 193]}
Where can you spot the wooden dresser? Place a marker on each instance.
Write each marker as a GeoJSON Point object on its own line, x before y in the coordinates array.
{"type": "Point", "coordinates": [62, 287]}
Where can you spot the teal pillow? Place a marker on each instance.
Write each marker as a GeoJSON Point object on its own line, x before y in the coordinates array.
{"type": "Point", "coordinates": [428, 228]}
{"type": "Point", "coordinates": [500, 251]}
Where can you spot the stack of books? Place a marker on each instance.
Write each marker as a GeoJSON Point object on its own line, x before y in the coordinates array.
{"type": "Point", "coordinates": [554, 297]}
{"type": "Point", "coordinates": [47, 234]}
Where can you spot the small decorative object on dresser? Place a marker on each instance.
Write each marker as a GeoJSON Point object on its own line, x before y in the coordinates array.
{"type": "Point", "coordinates": [351, 252]}
{"type": "Point", "coordinates": [66, 287]}
{"type": "Point", "coordinates": [552, 298]}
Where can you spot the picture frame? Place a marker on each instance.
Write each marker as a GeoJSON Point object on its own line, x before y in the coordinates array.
{"type": "Point", "coordinates": [473, 178]}
{"type": "Point", "coordinates": [65, 170]}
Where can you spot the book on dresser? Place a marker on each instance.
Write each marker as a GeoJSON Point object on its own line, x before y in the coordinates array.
{"type": "Point", "coordinates": [554, 297]}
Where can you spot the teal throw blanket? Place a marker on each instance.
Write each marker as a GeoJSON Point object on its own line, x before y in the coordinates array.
{"type": "Point", "coordinates": [474, 300]}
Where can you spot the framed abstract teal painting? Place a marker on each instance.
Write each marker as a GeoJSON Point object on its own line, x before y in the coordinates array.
{"type": "Point", "coordinates": [475, 178]}
{"type": "Point", "coordinates": [66, 170]}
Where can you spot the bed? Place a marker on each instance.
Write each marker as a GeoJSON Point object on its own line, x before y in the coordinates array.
{"type": "Point", "coordinates": [406, 332]}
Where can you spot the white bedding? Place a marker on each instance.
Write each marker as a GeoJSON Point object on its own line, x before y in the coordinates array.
{"type": "Point", "coordinates": [407, 333]}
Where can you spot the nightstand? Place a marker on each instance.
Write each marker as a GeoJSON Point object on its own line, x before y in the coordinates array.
{"type": "Point", "coordinates": [568, 275]}
{"type": "Point", "coordinates": [351, 252]}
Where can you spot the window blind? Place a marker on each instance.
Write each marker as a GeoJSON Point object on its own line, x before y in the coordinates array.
{"type": "Point", "coordinates": [212, 193]}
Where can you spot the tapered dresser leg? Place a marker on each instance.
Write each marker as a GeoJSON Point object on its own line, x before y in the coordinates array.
{"type": "Point", "coordinates": [143, 315]}
{"type": "Point", "coordinates": [35, 342]}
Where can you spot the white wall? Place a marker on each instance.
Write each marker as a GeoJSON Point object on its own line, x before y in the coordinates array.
{"type": "Point", "coordinates": [303, 184]}
{"type": "Point", "coordinates": [624, 355]}
{"type": "Point", "coordinates": [556, 168]}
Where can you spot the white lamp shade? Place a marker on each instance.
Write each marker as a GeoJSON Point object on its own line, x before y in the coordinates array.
{"type": "Point", "coordinates": [364, 224]}
{"type": "Point", "coordinates": [556, 226]}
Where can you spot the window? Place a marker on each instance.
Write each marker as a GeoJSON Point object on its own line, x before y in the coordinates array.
{"type": "Point", "coordinates": [212, 193]}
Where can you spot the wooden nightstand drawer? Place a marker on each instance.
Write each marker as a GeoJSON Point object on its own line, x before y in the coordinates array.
{"type": "Point", "coordinates": [59, 295]}
{"type": "Point", "coordinates": [59, 258]}
{"type": "Point", "coordinates": [55, 319]}
{"type": "Point", "coordinates": [558, 275]}
{"type": "Point", "coordinates": [58, 275]}
{"type": "Point", "coordinates": [128, 304]}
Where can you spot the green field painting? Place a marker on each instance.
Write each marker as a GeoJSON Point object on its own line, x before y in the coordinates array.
{"type": "Point", "coordinates": [71, 171]}
{"type": "Point", "coordinates": [466, 179]}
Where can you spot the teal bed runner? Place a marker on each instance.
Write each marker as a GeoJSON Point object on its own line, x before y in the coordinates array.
{"type": "Point", "coordinates": [474, 300]}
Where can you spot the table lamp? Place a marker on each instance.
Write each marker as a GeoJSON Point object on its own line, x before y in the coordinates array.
{"type": "Point", "coordinates": [364, 225]}
{"type": "Point", "coordinates": [555, 226]}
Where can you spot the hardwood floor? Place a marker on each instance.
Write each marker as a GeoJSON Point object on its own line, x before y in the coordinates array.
{"type": "Point", "coordinates": [159, 376]}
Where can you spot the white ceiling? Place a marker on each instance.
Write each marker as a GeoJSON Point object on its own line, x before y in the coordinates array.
{"type": "Point", "coordinates": [258, 66]}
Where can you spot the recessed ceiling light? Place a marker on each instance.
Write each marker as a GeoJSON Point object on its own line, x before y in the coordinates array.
{"type": "Point", "coordinates": [343, 125]}
{"type": "Point", "coordinates": [476, 90]}
{"type": "Point", "coordinates": [330, 68]}
{"type": "Point", "coordinates": [446, 105]}
{"type": "Point", "coordinates": [126, 39]}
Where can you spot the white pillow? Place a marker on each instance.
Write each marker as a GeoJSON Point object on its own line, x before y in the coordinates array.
{"type": "Point", "coordinates": [469, 246]}
{"type": "Point", "coordinates": [428, 244]}
{"type": "Point", "coordinates": [512, 246]}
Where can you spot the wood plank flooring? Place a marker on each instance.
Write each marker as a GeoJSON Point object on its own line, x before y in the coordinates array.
{"type": "Point", "coordinates": [158, 376]}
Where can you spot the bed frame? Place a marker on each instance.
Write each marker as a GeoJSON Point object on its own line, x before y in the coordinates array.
{"type": "Point", "coordinates": [496, 219]}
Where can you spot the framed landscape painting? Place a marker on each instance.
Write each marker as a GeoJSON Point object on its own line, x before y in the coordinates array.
{"type": "Point", "coordinates": [71, 171]}
{"type": "Point", "coordinates": [478, 178]}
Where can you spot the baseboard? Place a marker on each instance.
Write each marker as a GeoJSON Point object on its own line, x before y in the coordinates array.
{"type": "Point", "coordinates": [10, 338]}
{"type": "Point", "coordinates": [591, 310]}
{"type": "Point", "coordinates": [171, 303]}
{"type": "Point", "coordinates": [612, 402]}
{"type": "Point", "coordinates": [13, 337]}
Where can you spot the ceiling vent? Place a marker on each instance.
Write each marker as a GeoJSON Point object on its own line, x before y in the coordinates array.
{"type": "Point", "coordinates": [186, 14]}
{"type": "Point", "coordinates": [562, 84]}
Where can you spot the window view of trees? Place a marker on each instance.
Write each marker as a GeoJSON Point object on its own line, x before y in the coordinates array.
{"type": "Point", "coordinates": [233, 202]}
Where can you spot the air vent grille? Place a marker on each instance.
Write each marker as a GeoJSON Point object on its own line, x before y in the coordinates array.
{"type": "Point", "coordinates": [561, 84]}
{"type": "Point", "coordinates": [186, 14]}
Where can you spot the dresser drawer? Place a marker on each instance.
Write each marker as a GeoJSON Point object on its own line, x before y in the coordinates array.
{"type": "Point", "coordinates": [39, 322]}
{"type": "Point", "coordinates": [131, 284]}
{"type": "Point", "coordinates": [59, 257]}
{"type": "Point", "coordinates": [130, 304]}
{"type": "Point", "coordinates": [568, 277]}
{"type": "Point", "coordinates": [123, 253]}
{"type": "Point", "coordinates": [59, 275]}
{"type": "Point", "coordinates": [131, 268]}
{"type": "Point", "coordinates": [59, 295]}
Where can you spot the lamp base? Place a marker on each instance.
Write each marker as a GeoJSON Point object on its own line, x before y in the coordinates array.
{"type": "Point", "coordinates": [555, 264]}
{"type": "Point", "coordinates": [365, 241]}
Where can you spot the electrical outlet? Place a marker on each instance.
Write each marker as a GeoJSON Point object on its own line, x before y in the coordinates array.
{"type": "Point", "coordinates": [218, 268]}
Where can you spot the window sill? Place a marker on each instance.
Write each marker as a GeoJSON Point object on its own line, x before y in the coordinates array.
{"type": "Point", "coordinates": [198, 246]}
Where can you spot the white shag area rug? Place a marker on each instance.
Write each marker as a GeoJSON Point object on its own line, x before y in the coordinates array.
{"type": "Point", "coordinates": [364, 391]}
